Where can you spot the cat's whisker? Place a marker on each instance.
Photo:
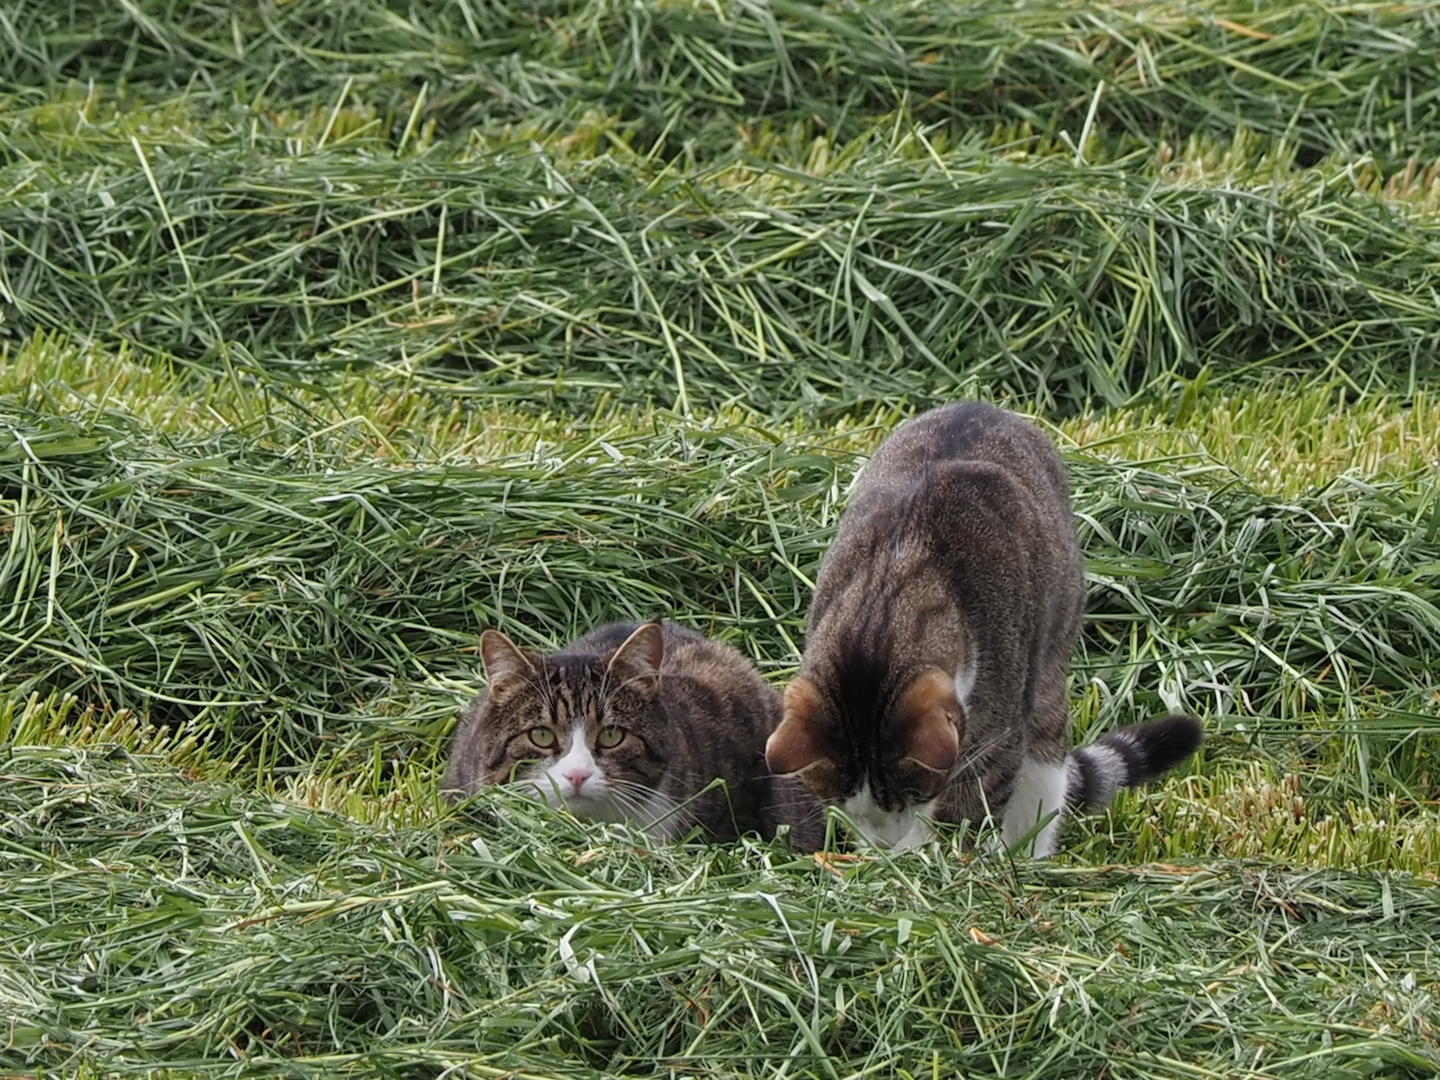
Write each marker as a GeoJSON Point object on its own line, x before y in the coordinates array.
{"type": "Point", "coordinates": [632, 808]}
{"type": "Point", "coordinates": [654, 805]}
{"type": "Point", "coordinates": [644, 801]}
{"type": "Point", "coordinates": [631, 794]}
{"type": "Point", "coordinates": [815, 813]}
{"type": "Point", "coordinates": [972, 753]}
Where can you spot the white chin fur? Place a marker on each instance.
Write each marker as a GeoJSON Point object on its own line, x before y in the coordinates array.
{"type": "Point", "coordinates": [560, 793]}
{"type": "Point", "coordinates": [1039, 792]}
{"type": "Point", "coordinates": [898, 831]}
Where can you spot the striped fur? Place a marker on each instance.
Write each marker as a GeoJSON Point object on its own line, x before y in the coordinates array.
{"type": "Point", "coordinates": [1127, 758]}
{"type": "Point", "coordinates": [934, 679]}
{"type": "Point", "coordinates": [687, 711]}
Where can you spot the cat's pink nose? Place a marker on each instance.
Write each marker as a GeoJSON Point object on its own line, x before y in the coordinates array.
{"type": "Point", "coordinates": [577, 777]}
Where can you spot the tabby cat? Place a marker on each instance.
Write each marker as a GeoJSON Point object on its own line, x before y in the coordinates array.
{"type": "Point", "coordinates": [933, 683]}
{"type": "Point", "coordinates": [631, 723]}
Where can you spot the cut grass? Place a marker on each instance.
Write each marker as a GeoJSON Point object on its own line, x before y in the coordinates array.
{"type": "Point", "coordinates": [169, 919]}
{"type": "Point", "coordinates": [1227, 805]}
{"type": "Point", "coordinates": [556, 281]}
{"type": "Point", "coordinates": [330, 333]}
{"type": "Point", "coordinates": [1357, 78]}
{"type": "Point", "coordinates": [1280, 438]}
{"type": "Point", "coordinates": [296, 597]}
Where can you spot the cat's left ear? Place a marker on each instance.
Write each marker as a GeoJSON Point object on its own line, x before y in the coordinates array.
{"type": "Point", "coordinates": [636, 663]}
{"type": "Point", "coordinates": [929, 721]}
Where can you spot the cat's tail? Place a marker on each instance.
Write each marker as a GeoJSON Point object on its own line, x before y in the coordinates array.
{"type": "Point", "coordinates": [1127, 758]}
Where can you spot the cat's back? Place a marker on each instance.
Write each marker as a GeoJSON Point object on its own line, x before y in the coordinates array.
{"type": "Point", "coordinates": [692, 664]}
{"type": "Point", "coordinates": [965, 432]}
{"type": "Point", "coordinates": [724, 711]}
{"type": "Point", "coordinates": [965, 506]}
{"type": "Point", "coordinates": [719, 683]}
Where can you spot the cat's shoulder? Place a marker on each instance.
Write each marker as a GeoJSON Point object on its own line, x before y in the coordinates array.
{"type": "Point", "coordinates": [608, 638]}
{"type": "Point", "coordinates": [712, 662]}
{"type": "Point", "coordinates": [972, 425]}
{"type": "Point", "coordinates": [687, 653]}
{"type": "Point", "coordinates": [698, 653]}
{"type": "Point", "coordinates": [968, 444]}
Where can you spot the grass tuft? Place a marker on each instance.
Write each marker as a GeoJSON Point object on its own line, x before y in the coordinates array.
{"type": "Point", "coordinates": [1348, 79]}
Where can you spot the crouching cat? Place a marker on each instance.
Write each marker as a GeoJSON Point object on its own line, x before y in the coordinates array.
{"type": "Point", "coordinates": [933, 683]}
{"type": "Point", "coordinates": [631, 723]}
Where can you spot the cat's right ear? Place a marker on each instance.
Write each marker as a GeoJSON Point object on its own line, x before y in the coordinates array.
{"type": "Point", "coordinates": [795, 745]}
{"type": "Point", "coordinates": [504, 662]}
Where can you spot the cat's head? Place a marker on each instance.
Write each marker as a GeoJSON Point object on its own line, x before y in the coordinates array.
{"type": "Point", "coordinates": [882, 753]}
{"type": "Point", "coordinates": [581, 730]}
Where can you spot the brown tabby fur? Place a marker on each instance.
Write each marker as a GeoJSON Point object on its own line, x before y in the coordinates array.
{"type": "Point", "coordinates": [691, 709]}
{"type": "Point", "coordinates": [941, 631]}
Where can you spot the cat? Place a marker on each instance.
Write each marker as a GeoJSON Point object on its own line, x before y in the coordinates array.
{"type": "Point", "coordinates": [933, 680]}
{"type": "Point", "coordinates": [631, 723]}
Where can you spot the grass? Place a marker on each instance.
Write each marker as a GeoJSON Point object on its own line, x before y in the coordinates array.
{"type": "Point", "coordinates": [560, 277]}
{"type": "Point", "coordinates": [281, 590]}
{"type": "Point", "coordinates": [476, 949]}
{"type": "Point", "coordinates": [332, 333]}
{"type": "Point", "coordinates": [1351, 78]}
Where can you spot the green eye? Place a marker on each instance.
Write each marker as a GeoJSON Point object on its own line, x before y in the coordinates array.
{"type": "Point", "coordinates": [610, 737]}
{"type": "Point", "coordinates": [542, 737]}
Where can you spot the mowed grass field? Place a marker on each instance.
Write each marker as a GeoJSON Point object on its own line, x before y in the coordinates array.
{"type": "Point", "coordinates": [334, 331]}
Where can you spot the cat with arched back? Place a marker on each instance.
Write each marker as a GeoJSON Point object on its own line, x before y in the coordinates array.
{"type": "Point", "coordinates": [933, 681]}
{"type": "Point", "coordinates": [633, 723]}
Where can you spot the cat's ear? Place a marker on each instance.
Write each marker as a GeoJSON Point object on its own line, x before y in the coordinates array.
{"type": "Point", "coordinates": [636, 663]}
{"type": "Point", "coordinates": [928, 721]}
{"type": "Point", "coordinates": [795, 745]}
{"type": "Point", "coordinates": [503, 661]}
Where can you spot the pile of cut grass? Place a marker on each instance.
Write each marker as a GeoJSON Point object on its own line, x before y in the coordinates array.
{"type": "Point", "coordinates": [287, 594]}
{"type": "Point", "coordinates": [1282, 441]}
{"type": "Point", "coordinates": [900, 275]}
{"type": "Point", "coordinates": [332, 333]}
{"type": "Point", "coordinates": [191, 922]}
{"type": "Point", "coordinates": [289, 217]}
{"type": "Point", "coordinates": [682, 77]}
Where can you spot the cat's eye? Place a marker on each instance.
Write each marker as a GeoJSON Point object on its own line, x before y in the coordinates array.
{"type": "Point", "coordinates": [542, 737]}
{"type": "Point", "coordinates": [610, 737]}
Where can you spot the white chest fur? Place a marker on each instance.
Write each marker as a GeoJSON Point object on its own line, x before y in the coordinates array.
{"type": "Point", "coordinates": [899, 830]}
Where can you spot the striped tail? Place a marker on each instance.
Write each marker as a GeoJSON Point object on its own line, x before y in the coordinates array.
{"type": "Point", "coordinates": [1127, 758]}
